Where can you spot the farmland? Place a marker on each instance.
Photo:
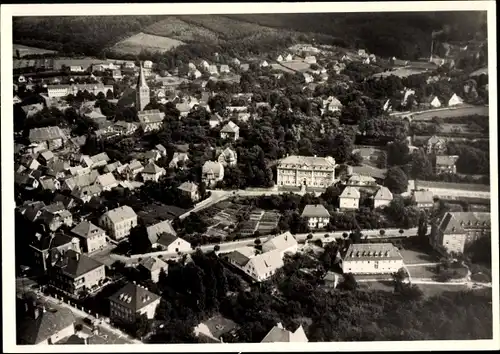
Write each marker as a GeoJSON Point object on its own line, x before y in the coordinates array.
{"type": "Point", "coordinates": [401, 72]}
{"type": "Point", "coordinates": [25, 50]}
{"type": "Point", "coordinates": [178, 29]}
{"type": "Point", "coordinates": [142, 41]}
{"type": "Point", "coordinates": [296, 65]}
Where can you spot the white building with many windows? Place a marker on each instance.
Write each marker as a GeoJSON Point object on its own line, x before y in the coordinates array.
{"type": "Point", "coordinates": [119, 221]}
{"type": "Point", "coordinates": [372, 258]}
{"type": "Point", "coordinates": [310, 171]}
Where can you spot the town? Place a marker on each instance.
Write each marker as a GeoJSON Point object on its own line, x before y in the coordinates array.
{"type": "Point", "coordinates": [298, 192]}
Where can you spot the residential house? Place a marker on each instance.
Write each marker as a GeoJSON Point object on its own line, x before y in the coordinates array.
{"type": "Point", "coordinates": [39, 326]}
{"type": "Point", "coordinates": [75, 274]}
{"type": "Point", "coordinates": [30, 162]}
{"type": "Point", "coordinates": [224, 69]}
{"type": "Point", "coordinates": [310, 59]}
{"type": "Point", "coordinates": [230, 131]}
{"type": "Point", "coordinates": [212, 70]}
{"type": "Point", "coordinates": [423, 199]}
{"type": "Point", "coordinates": [407, 94]}
{"type": "Point", "coordinates": [55, 215]}
{"type": "Point", "coordinates": [244, 67]}
{"type": "Point", "coordinates": [152, 172]}
{"type": "Point", "coordinates": [132, 301]}
{"type": "Point", "coordinates": [195, 74]}
{"type": "Point", "coordinates": [278, 334]}
{"type": "Point", "coordinates": [55, 91]}
{"type": "Point", "coordinates": [205, 65]}
{"type": "Point", "coordinates": [152, 155]}
{"type": "Point", "coordinates": [215, 120]}
{"type": "Point", "coordinates": [154, 231]}
{"type": "Point", "coordinates": [455, 101]}
{"type": "Point", "coordinates": [117, 74]}
{"type": "Point", "coordinates": [361, 181]}
{"type": "Point", "coordinates": [434, 102]}
{"type": "Point", "coordinates": [26, 181]}
{"type": "Point", "coordinates": [99, 160]}
{"type": "Point", "coordinates": [212, 172]}
{"type": "Point", "coordinates": [382, 197]}
{"type": "Point", "coordinates": [372, 258]}
{"type": "Point", "coordinates": [331, 280]}
{"type": "Point", "coordinates": [308, 78]}
{"type": "Point", "coordinates": [78, 170]}
{"type": "Point", "coordinates": [228, 157]}
{"type": "Point", "coordinates": [306, 171]}
{"type": "Point", "coordinates": [181, 157]}
{"type": "Point", "coordinates": [236, 61]}
{"type": "Point", "coordinates": [215, 328]}
{"type": "Point", "coordinates": [190, 190]}
{"type": "Point", "coordinates": [86, 193]}
{"type": "Point", "coordinates": [86, 161]}
{"type": "Point", "coordinates": [153, 267]}
{"type": "Point", "coordinates": [111, 167]}
{"type": "Point", "coordinates": [31, 109]}
{"type": "Point", "coordinates": [446, 164]}
{"type": "Point", "coordinates": [263, 64]}
{"type": "Point", "coordinates": [125, 128]}
{"type": "Point", "coordinates": [51, 137]}
{"type": "Point", "coordinates": [258, 267]}
{"type": "Point", "coordinates": [172, 244]}
{"type": "Point", "coordinates": [67, 201]}
{"type": "Point", "coordinates": [46, 156]}
{"type": "Point", "coordinates": [92, 237]}
{"type": "Point", "coordinates": [80, 181]}
{"type": "Point", "coordinates": [456, 230]}
{"type": "Point", "coordinates": [349, 198]}
{"type": "Point", "coordinates": [150, 120]}
{"type": "Point", "coordinates": [133, 168]}
{"type": "Point", "coordinates": [317, 216]}
{"type": "Point", "coordinates": [332, 104]}
{"type": "Point", "coordinates": [119, 221]}
{"type": "Point", "coordinates": [184, 108]}
{"type": "Point", "coordinates": [161, 149]}
{"type": "Point", "coordinates": [107, 181]}
{"type": "Point", "coordinates": [435, 145]}
{"type": "Point", "coordinates": [49, 183]}
{"type": "Point", "coordinates": [285, 242]}
{"type": "Point", "coordinates": [43, 247]}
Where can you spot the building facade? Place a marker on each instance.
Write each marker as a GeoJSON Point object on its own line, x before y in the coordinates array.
{"type": "Point", "coordinates": [310, 171]}
{"type": "Point", "coordinates": [118, 222]}
{"type": "Point", "coordinates": [374, 258]}
{"type": "Point", "coordinates": [317, 216]}
{"type": "Point", "coordinates": [131, 301]}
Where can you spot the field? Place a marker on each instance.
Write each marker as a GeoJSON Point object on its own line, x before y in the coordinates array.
{"type": "Point", "coordinates": [142, 41]}
{"type": "Point", "coordinates": [452, 112]}
{"type": "Point", "coordinates": [25, 50]}
{"type": "Point", "coordinates": [296, 65]}
{"type": "Point", "coordinates": [401, 72]}
{"type": "Point", "coordinates": [178, 29]}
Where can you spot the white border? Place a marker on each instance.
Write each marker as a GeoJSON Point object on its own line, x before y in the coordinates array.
{"type": "Point", "coordinates": [7, 11]}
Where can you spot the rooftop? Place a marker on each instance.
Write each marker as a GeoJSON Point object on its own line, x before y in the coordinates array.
{"type": "Point", "coordinates": [134, 297]}
{"type": "Point", "coordinates": [120, 214]}
{"type": "Point", "coordinates": [75, 265]}
{"type": "Point", "coordinates": [86, 229]}
{"type": "Point", "coordinates": [372, 251]}
{"type": "Point", "coordinates": [155, 230]}
{"type": "Point", "coordinates": [315, 211]}
{"type": "Point", "coordinates": [307, 161]}
{"type": "Point", "coordinates": [350, 192]}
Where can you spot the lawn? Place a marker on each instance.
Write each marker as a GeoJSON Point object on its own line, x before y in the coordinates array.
{"type": "Point", "coordinates": [178, 29]}
{"type": "Point", "coordinates": [142, 41]}
{"type": "Point", "coordinates": [451, 113]}
{"type": "Point", "coordinates": [414, 256]}
{"type": "Point", "coordinates": [430, 290]}
{"type": "Point", "coordinates": [25, 50]}
{"type": "Point", "coordinates": [423, 272]}
{"type": "Point", "coordinates": [296, 65]}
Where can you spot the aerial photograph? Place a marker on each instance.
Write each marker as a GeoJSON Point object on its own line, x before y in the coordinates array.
{"type": "Point", "coordinates": [252, 178]}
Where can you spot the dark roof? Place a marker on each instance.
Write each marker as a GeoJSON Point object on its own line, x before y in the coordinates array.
{"type": "Point", "coordinates": [74, 264]}
{"type": "Point", "coordinates": [86, 229]}
{"type": "Point", "coordinates": [134, 297]}
{"type": "Point", "coordinates": [34, 331]}
{"type": "Point", "coordinates": [166, 239]}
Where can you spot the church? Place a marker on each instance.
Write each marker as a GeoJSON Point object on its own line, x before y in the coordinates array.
{"type": "Point", "coordinates": [151, 119]}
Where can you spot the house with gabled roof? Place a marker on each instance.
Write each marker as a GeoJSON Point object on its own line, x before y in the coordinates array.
{"type": "Point", "coordinates": [80, 181]}
{"type": "Point", "coordinates": [76, 274]}
{"type": "Point", "coordinates": [153, 266]}
{"type": "Point", "coordinates": [423, 199]}
{"type": "Point", "coordinates": [172, 244]}
{"type": "Point", "coordinates": [259, 267]}
{"type": "Point", "coordinates": [285, 242]}
{"type": "Point", "coordinates": [215, 120]}
{"type": "Point", "coordinates": [49, 183]}
{"type": "Point", "coordinates": [92, 238]}
{"type": "Point", "coordinates": [161, 149]}
{"type": "Point", "coordinates": [119, 221]}
{"type": "Point", "coordinates": [152, 172]}
{"type": "Point", "coordinates": [86, 193]}
{"type": "Point", "coordinates": [52, 137]}
{"type": "Point", "coordinates": [178, 157]}
{"type": "Point", "coordinates": [278, 334]}
{"type": "Point", "coordinates": [154, 231]}
{"type": "Point", "coordinates": [212, 172]}
{"type": "Point", "coordinates": [215, 328]}
{"type": "Point", "coordinates": [131, 301]}
{"type": "Point", "coordinates": [212, 69]}
{"type": "Point", "coordinates": [230, 131]}
{"type": "Point", "coordinates": [133, 168]}
{"type": "Point", "coordinates": [107, 181]}
{"type": "Point", "coordinates": [455, 100]}
{"type": "Point", "coordinates": [190, 190]}
{"type": "Point", "coordinates": [382, 197]}
{"type": "Point", "coordinates": [435, 145]}
{"type": "Point", "coordinates": [39, 326]}
{"type": "Point", "coordinates": [150, 120]}
{"type": "Point", "coordinates": [317, 216]}
{"type": "Point", "coordinates": [372, 258]}
{"type": "Point", "coordinates": [228, 157]}
{"type": "Point", "coordinates": [349, 198]}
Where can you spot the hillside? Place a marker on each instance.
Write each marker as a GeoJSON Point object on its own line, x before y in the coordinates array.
{"type": "Point", "coordinates": [404, 35]}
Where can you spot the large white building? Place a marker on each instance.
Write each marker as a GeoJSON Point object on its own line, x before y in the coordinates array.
{"type": "Point", "coordinates": [310, 171]}
{"type": "Point", "coordinates": [317, 216]}
{"type": "Point", "coordinates": [119, 221]}
{"type": "Point", "coordinates": [372, 258]}
{"type": "Point", "coordinates": [56, 91]}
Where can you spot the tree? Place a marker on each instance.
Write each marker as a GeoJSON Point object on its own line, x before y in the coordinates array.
{"type": "Point", "coordinates": [398, 153]}
{"type": "Point", "coordinates": [421, 167]}
{"type": "Point", "coordinates": [396, 180]}
{"type": "Point", "coordinates": [382, 160]}
{"type": "Point", "coordinates": [349, 282]}
{"type": "Point", "coordinates": [309, 237]}
{"type": "Point", "coordinates": [216, 248]}
{"type": "Point", "coordinates": [139, 241]}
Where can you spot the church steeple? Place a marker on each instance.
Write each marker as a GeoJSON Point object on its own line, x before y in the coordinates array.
{"type": "Point", "coordinates": [142, 91]}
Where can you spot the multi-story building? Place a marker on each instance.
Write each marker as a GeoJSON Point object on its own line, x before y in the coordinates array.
{"type": "Point", "coordinates": [423, 199]}
{"type": "Point", "coordinates": [51, 138]}
{"type": "Point", "coordinates": [92, 237]}
{"type": "Point", "coordinates": [76, 274]}
{"type": "Point", "coordinates": [310, 171]}
{"type": "Point", "coordinates": [150, 120]}
{"type": "Point", "coordinates": [230, 131]}
{"type": "Point", "coordinates": [372, 258]}
{"type": "Point", "coordinates": [382, 197]}
{"type": "Point", "coordinates": [317, 216]}
{"type": "Point", "coordinates": [456, 230]}
{"type": "Point", "coordinates": [119, 221]}
{"type": "Point", "coordinates": [190, 190]}
{"type": "Point", "coordinates": [43, 247]}
{"type": "Point", "coordinates": [212, 172]}
{"type": "Point", "coordinates": [153, 266]}
{"type": "Point", "coordinates": [152, 172]}
{"type": "Point", "coordinates": [435, 145]}
{"type": "Point", "coordinates": [259, 267]}
{"type": "Point", "coordinates": [284, 242]}
{"type": "Point", "coordinates": [227, 157]}
{"type": "Point", "coordinates": [56, 91]}
{"type": "Point", "coordinates": [131, 301]}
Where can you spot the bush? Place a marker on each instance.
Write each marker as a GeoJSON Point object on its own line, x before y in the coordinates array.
{"type": "Point", "coordinates": [216, 248]}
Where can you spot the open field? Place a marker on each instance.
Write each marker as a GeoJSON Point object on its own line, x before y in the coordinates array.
{"type": "Point", "coordinates": [452, 112]}
{"type": "Point", "coordinates": [401, 72]}
{"type": "Point", "coordinates": [413, 256]}
{"type": "Point", "coordinates": [296, 65]}
{"type": "Point", "coordinates": [178, 29]}
{"type": "Point", "coordinates": [142, 41]}
{"type": "Point", "coordinates": [25, 50]}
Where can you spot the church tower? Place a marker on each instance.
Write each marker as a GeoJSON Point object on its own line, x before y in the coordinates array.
{"type": "Point", "coordinates": [142, 91]}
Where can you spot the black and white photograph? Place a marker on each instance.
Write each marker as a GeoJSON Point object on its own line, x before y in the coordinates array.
{"type": "Point", "coordinates": [220, 175]}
